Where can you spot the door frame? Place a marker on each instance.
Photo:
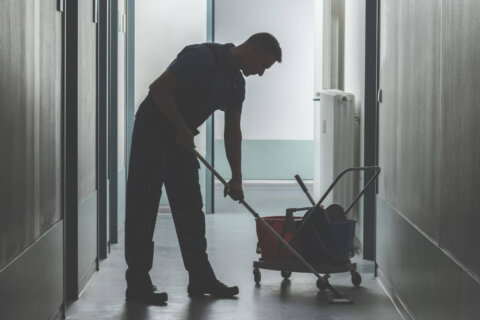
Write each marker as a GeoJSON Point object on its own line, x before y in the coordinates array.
{"type": "Point", "coordinates": [371, 124]}
{"type": "Point", "coordinates": [102, 127]}
{"type": "Point", "coordinates": [210, 124]}
{"type": "Point", "coordinates": [113, 121]}
{"type": "Point", "coordinates": [70, 148]}
{"type": "Point", "coordinates": [70, 145]}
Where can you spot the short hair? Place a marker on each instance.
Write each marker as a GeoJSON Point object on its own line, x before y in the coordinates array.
{"type": "Point", "coordinates": [267, 43]}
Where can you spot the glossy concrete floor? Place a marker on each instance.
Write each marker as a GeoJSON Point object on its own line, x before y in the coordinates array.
{"type": "Point", "coordinates": [231, 248]}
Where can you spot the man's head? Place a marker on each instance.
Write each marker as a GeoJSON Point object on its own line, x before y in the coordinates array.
{"type": "Point", "coordinates": [259, 53]}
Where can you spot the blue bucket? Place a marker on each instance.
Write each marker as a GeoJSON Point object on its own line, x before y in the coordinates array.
{"type": "Point", "coordinates": [324, 242]}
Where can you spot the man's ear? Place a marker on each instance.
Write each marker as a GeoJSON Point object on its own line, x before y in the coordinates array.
{"type": "Point", "coordinates": [256, 50]}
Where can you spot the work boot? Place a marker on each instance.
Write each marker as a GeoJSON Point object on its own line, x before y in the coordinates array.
{"type": "Point", "coordinates": [148, 296]}
{"type": "Point", "coordinates": [214, 288]}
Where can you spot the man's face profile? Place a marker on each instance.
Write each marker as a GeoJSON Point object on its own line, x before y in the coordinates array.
{"type": "Point", "coordinates": [257, 63]}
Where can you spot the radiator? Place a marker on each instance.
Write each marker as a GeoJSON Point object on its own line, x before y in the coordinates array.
{"type": "Point", "coordinates": [334, 145]}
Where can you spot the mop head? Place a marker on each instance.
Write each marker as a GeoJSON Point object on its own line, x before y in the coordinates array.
{"type": "Point", "coordinates": [339, 298]}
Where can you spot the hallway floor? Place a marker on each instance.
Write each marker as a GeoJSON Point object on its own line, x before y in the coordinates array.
{"type": "Point", "coordinates": [231, 248]}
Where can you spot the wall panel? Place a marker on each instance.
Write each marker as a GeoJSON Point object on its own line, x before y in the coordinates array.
{"type": "Point", "coordinates": [16, 96]}
{"type": "Point", "coordinates": [34, 293]}
{"type": "Point", "coordinates": [49, 133]}
{"type": "Point", "coordinates": [31, 230]}
{"type": "Point", "coordinates": [428, 205]}
{"type": "Point", "coordinates": [87, 240]}
{"type": "Point", "coordinates": [29, 122]}
{"type": "Point", "coordinates": [86, 100]}
{"type": "Point", "coordinates": [460, 217]}
{"type": "Point", "coordinates": [410, 114]}
{"type": "Point", "coordinates": [429, 282]}
{"type": "Point", "coordinates": [87, 143]}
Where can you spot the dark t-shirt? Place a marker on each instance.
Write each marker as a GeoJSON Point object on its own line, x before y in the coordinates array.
{"type": "Point", "coordinates": [206, 82]}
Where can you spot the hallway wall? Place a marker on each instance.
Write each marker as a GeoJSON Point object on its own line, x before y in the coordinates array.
{"type": "Point", "coordinates": [162, 30]}
{"type": "Point", "coordinates": [31, 224]}
{"type": "Point", "coordinates": [86, 124]}
{"type": "Point", "coordinates": [354, 82]}
{"type": "Point", "coordinates": [428, 204]}
{"type": "Point", "coordinates": [174, 24]}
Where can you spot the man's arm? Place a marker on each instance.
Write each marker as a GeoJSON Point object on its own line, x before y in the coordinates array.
{"type": "Point", "coordinates": [162, 92]}
{"type": "Point", "coordinates": [233, 149]}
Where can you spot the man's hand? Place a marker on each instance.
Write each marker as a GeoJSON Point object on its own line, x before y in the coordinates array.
{"type": "Point", "coordinates": [234, 189]}
{"type": "Point", "coordinates": [184, 139]}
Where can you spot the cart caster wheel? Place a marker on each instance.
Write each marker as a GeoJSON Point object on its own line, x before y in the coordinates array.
{"type": "Point", "coordinates": [322, 284]}
{"type": "Point", "coordinates": [286, 274]}
{"type": "Point", "coordinates": [257, 275]}
{"type": "Point", "coordinates": [356, 278]}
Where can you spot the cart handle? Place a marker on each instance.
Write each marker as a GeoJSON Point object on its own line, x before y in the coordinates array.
{"type": "Point", "coordinates": [319, 203]}
{"type": "Point", "coordinates": [376, 169]}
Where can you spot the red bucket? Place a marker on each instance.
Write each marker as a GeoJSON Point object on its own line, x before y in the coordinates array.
{"type": "Point", "coordinates": [270, 247]}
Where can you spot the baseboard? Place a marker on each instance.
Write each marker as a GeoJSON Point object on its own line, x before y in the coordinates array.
{"type": "Point", "coordinates": [86, 278]}
{"type": "Point", "coordinates": [393, 295]}
{"type": "Point", "coordinates": [429, 282]}
{"type": "Point", "coordinates": [31, 287]}
{"type": "Point", "coordinates": [87, 239]}
{"type": "Point", "coordinates": [60, 315]}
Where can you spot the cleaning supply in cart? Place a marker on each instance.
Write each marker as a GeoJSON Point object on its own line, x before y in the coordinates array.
{"type": "Point", "coordinates": [326, 240]}
{"type": "Point", "coordinates": [268, 245]}
{"type": "Point", "coordinates": [335, 213]}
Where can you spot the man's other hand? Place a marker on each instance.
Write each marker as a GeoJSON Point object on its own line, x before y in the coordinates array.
{"type": "Point", "coordinates": [184, 139]}
{"type": "Point", "coordinates": [234, 189]}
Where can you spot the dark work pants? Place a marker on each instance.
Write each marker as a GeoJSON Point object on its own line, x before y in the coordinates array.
{"type": "Point", "coordinates": [156, 160]}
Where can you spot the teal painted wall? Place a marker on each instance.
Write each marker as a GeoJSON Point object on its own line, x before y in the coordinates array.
{"type": "Point", "coordinates": [270, 159]}
{"type": "Point", "coordinates": [265, 160]}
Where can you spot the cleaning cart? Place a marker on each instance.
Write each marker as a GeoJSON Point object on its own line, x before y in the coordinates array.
{"type": "Point", "coordinates": [301, 242]}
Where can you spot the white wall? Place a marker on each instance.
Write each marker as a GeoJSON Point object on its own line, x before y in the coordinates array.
{"type": "Point", "coordinates": [354, 74]}
{"type": "Point", "coordinates": [121, 82]}
{"type": "Point", "coordinates": [278, 105]}
{"type": "Point", "coordinates": [162, 29]}
{"type": "Point", "coordinates": [354, 82]}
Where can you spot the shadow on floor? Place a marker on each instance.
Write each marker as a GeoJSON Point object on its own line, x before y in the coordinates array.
{"type": "Point", "coordinates": [231, 248]}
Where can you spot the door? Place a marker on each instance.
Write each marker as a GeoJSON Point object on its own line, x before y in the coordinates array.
{"type": "Point", "coordinates": [81, 144]}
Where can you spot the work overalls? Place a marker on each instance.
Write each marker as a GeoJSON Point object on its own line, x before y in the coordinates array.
{"type": "Point", "coordinates": [156, 159]}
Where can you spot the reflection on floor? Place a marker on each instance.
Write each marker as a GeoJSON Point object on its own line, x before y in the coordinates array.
{"type": "Point", "coordinates": [231, 248]}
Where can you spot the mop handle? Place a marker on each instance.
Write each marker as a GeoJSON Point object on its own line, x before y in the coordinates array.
{"type": "Point", "coordinates": [304, 188]}
{"type": "Point", "coordinates": [285, 243]}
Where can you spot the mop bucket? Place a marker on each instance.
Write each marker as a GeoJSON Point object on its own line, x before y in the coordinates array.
{"type": "Point", "coordinates": [268, 245]}
{"type": "Point", "coordinates": [322, 241]}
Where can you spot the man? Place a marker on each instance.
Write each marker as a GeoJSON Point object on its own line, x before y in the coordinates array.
{"type": "Point", "coordinates": [202, 79]}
